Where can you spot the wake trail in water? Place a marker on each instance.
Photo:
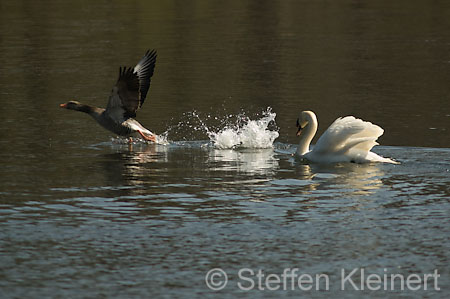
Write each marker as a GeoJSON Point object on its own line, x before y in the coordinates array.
{"type": "Point", "coordinates": [231, 131]}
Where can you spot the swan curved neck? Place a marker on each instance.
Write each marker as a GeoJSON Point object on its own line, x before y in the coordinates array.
{"type": "Point", "coordinates": [307, 134]}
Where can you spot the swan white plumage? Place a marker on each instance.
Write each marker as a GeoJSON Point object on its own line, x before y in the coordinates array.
{"type": "Point", "coordinates": [348, 139]}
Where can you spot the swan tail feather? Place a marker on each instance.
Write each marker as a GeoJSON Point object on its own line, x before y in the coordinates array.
{"type": "Point", "coordinates": [364, 144]}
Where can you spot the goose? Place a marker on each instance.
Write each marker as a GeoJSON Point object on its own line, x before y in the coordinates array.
{"type": "Point", "coordinates": [127, 96]}
{"type": "Point", "coordinates": [348, 139]}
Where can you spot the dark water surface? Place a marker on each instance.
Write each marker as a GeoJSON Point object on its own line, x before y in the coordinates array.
{"type": "Point", "coordinates": [82, 215]}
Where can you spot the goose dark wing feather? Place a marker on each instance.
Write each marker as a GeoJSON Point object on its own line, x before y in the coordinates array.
{"type": "Point", "coordinates": [129, 93]}
{"type": "Point", "coordinates": [144, 70]}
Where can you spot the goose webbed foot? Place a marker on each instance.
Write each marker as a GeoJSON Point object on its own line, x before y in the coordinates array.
{"type": "Point", "coordinates": [148, 137]}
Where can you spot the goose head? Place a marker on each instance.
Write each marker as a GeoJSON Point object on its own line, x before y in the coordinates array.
{"type": "Point", "coordinates": [77, 106]}
{"type": "Point", "coordinates": [72, 105]}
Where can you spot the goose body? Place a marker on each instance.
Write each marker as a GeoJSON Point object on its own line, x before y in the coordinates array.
{"type": "Point", "coordinates": [348, 139]}
{"type": "Point", "coordinates": [127, 96]}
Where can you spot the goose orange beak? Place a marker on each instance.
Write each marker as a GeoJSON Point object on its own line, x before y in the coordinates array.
{"type": "Point", "coordinates": [63, 105]}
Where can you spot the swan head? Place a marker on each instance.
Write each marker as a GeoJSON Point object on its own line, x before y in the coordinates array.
{"type": "Point", "coordinates": [305, 118]}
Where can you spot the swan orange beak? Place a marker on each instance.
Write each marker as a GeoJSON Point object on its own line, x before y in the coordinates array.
{"type": "Point", "coordinates": [63, 105]}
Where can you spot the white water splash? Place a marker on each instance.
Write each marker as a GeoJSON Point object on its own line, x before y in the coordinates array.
{"type": "Point", "coordinates": [245, 133]}
{"type": "Point", "coordinates": [226, 132]}
{"type": "Point", "coordinates": [160, 140]}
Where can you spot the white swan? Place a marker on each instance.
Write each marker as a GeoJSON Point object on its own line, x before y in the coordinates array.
{"type": "Point", "coordinates": [348, 139]}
